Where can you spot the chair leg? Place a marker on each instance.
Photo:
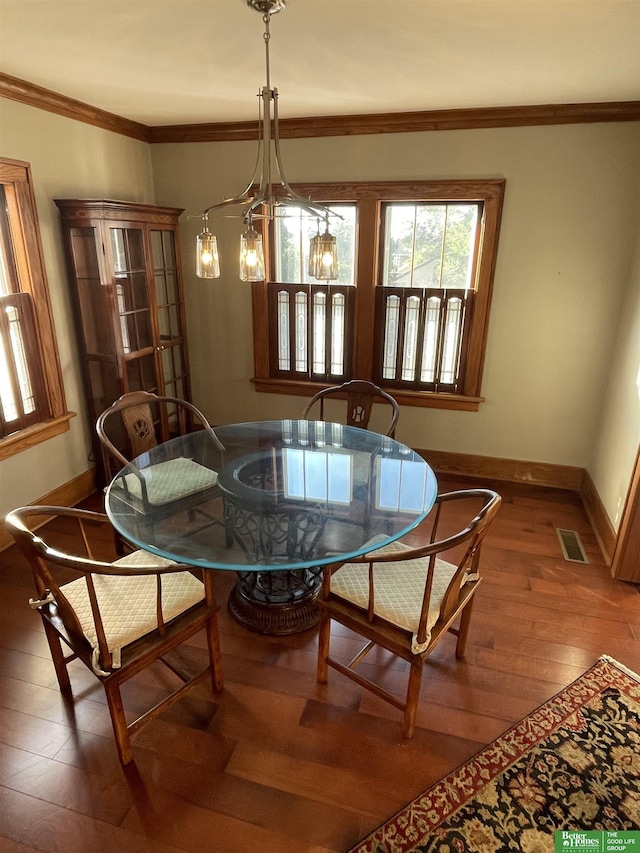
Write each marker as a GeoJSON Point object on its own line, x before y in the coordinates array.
{"type": "Point", "coordinates": [118, 721]}
{"type": "Point", "coordinates": [119, 544]}
{"type": "Point", "coordinates": [413, 697]}
{"type": "Point", "coordinates": [324, 637]}
{"type": "Point", "coordinates": [215, 657]}
{"type": "Point", "coordinates": [463, 631]}
{"type": "Point", "coordinates": [57, 655]}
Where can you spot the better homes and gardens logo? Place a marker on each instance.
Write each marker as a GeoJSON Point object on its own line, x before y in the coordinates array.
{"type": "Point", "coordinates": [597, 841]}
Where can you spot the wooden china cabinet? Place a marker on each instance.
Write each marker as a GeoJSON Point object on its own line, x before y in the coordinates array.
{"type": "Point", "coordinates": [125, 274]}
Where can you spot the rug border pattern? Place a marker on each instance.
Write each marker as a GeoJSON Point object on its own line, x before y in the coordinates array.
{"type": "Point", "coordinates": [441, 800]}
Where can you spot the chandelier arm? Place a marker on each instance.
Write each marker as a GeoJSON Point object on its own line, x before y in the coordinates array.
{"type": "Point", "coordinates": [317, 211]}
{"type": "Point", "coordinates": [294, 200]}
{"type": "Point", "coordinates": [314, 209]}
{"type": "Point", "coordinates": [259, 153]}
{"type": "Point", "coordinates": [255, 202]}
{"type": "Point", "coordinates": [243, 198]}
{"type": "Point", "coordinates": [276, 147]}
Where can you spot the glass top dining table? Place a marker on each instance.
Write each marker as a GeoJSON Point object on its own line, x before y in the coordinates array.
{"type": "Point", "coordinates": [273, 501]}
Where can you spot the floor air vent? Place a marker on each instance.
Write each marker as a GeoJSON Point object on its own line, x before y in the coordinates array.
{"type": "Point", "coordinates": [571, 545]}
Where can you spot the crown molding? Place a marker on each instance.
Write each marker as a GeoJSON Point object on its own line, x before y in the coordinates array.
{"type": "Point", "coordinates": [316, 126]}
{"type": "Point", "coordinates": [35, 96]}
{"type": "Point", "coordinates": [411, 122]}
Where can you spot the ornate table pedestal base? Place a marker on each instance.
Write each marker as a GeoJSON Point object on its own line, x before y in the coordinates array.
{"type": "Point", "coordinates": [277, 602]}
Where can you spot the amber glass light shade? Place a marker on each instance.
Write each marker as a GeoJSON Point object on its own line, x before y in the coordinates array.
{"type": "Point", "coordinates": [251, 256]}
{"type": "Point", "coordinates": [207, 262]}
{"type": "Point", "coordinates": [323, 257]}
{"type": "Point", "coordinates": [313, 254]}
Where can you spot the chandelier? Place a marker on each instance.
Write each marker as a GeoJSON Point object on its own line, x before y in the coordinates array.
{"type": "Point", "coordinates": [273, 198]}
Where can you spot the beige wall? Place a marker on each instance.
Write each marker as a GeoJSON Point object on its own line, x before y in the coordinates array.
{"type": "Point", "coordinates": [618, 434]}
{"type": "Point", "coordinates": [73, 160]}
{"type": "Point", "coordinates": [569, 232]}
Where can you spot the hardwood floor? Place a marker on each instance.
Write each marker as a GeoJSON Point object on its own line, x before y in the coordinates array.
{"type": "Point", "coordinates": [277, 763]}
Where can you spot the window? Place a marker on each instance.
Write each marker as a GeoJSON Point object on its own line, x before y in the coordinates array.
{"type": "Point", "coordinates": [31, 395]}
{"type": "Point", "coordinates": [410, 307]}
{"type": "Point", "coordinates": [312, 321]}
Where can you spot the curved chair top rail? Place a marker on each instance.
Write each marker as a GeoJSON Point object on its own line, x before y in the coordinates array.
{"type": "Point", "coordinates": [478, 526]}
{"type": "Point", "coordinates": [34, 547]}
{"type": "Point", "coordinates": [360, 395]}
{"type": "Point", "coordinates": [142, 402]}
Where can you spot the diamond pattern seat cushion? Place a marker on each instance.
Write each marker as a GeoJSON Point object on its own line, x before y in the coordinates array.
{"type": "Point", "coordinates": [127, 604]}
{"type": "Point", "coordinates": [171, 480]}
{"type": "Point", "coordinates": [399, 589]}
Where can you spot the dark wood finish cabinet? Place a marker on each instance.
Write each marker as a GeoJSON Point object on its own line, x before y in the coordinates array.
{"type": "Point", "coordinates": [125, 275]}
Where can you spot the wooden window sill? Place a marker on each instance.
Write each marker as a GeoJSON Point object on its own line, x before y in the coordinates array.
{"type": "Point", "coordinates": [424, 399]}
{"type": "Point", "coordinates": [29, 437]}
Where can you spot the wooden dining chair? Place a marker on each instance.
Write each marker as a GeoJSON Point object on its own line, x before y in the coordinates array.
{"type": "Point", "coordinates": [139, 421]}
{"type": "Point", "coordinates": [360, 396]}
{"type": "Point", "coordinates": [405, 599]}
{"type": "Point", "coordinates": [116, 617]}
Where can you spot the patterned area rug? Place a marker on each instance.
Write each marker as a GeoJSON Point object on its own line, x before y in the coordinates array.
{"type": "Point", "coordinates": [573, 764]}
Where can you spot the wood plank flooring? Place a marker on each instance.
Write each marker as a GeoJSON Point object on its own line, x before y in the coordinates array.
{"type": "Point", "coordinates": [278, 763]}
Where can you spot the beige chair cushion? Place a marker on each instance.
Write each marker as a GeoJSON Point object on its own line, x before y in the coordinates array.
{"type": "Point", "coordinates": [171, 480]}
{"type": "Point", "coordinates": [399, 589]}
{"type": "Point", "coordinates": [128, 604]}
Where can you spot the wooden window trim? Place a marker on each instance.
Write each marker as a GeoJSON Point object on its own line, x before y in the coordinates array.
{"type": "Point", "coordinates": [426, 399]}
{"type": "Point", "coordinates": [33, 435]}
{"type": "Point", "coordinates": [29, 256]}
{"type": "Point", "coordinates": [370, 196]}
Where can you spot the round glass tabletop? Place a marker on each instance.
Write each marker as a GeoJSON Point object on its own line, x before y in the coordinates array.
{"type": "Point", "coordinates": [271, 495]}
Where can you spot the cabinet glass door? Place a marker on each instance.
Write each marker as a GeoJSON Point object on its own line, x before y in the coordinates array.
{"type": "Point", "coordinates": [134, 308]}
{"type": "Point", "coordinates": [95, 319]}
{"type": "Point", "coordinates": [168, 312]}
{"type": "Point", "coordinates": [127, 246]}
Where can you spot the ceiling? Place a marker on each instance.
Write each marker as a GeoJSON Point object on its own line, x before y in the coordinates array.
{"type": "Point", "coordinates": [167, 62]}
